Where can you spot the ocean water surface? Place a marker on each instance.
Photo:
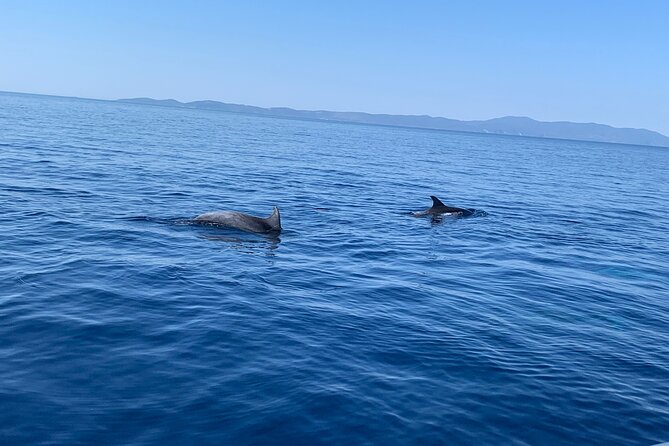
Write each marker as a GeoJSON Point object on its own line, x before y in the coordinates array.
{"type": "Point", "coordinates": [543, 322]}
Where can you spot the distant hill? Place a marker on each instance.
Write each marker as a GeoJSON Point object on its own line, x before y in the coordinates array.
{"type": "Point", "coordinates": [509, 125]}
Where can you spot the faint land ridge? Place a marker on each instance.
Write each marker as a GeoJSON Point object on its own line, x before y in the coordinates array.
{"type": "Point", "coordinates": [508, 125]}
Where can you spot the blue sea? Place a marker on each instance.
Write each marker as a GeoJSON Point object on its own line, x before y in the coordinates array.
{"type": "Point", "coordinates": [542, 320]}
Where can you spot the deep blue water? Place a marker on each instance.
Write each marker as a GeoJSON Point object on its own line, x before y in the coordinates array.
{"type": "Point", "coordinates": [544, 322]}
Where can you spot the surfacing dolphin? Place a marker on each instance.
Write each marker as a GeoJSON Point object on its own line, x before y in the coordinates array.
{"type": "Point", "coordinates": [439, 209]}
{"type": "Point", "coordinates": [245, 222]}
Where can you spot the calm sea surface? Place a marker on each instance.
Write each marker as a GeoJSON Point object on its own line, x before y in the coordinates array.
{"type": "Point", "coordinates": [544, 322]}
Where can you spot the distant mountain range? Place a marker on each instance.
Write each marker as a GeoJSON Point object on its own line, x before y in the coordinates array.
{"type": "Point", "coordinates": [509, 125]}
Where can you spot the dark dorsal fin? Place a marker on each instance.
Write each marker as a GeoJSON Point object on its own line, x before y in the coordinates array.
{"type": "Point", "coordinates": [274, 220]}
{"type": "Point", "coordinates": [436, 202]}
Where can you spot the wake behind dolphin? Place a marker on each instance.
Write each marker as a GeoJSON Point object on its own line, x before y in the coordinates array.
{"type": "Point", "coordinates": [239, 220]}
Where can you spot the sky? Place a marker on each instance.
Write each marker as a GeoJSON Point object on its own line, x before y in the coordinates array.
{"type": "Point", "coordinates": [583, 61]}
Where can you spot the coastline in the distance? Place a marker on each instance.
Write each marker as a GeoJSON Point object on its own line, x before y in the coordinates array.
{"type": "Point", "coordinates": [508, 125]}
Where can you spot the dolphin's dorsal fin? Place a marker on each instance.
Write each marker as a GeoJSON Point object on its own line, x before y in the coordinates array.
{"type": "Point", "coordinates": [436, 202]}
{"type": "Point", "coordinates": [274, 220]}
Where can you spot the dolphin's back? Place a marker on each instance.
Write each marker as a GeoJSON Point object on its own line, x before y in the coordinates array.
{"type": "Point", "coordinates": [232, 219]}
{"type": "Point", "coordinates": [439, 208]}
{"type": "Point", "coordinates": [239, 220]}
{"type": "Point", "coordinates": [450, 210]}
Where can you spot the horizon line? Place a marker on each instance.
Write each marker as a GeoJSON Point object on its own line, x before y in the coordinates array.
{"type": "Point", "coordinates": [131, 101]}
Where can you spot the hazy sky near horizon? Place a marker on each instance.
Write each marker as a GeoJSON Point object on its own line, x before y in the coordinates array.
{"type": "Point", "coordinates": [596, 61]}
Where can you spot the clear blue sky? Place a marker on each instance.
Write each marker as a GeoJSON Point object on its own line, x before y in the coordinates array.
{"type": "Point", "coordinates": [586, 61]}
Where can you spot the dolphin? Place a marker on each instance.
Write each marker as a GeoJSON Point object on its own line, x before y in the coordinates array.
{"type": "Point", "coordinates": [245, 222]}
{"type": "Point", "coordinates": [438, 209]}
